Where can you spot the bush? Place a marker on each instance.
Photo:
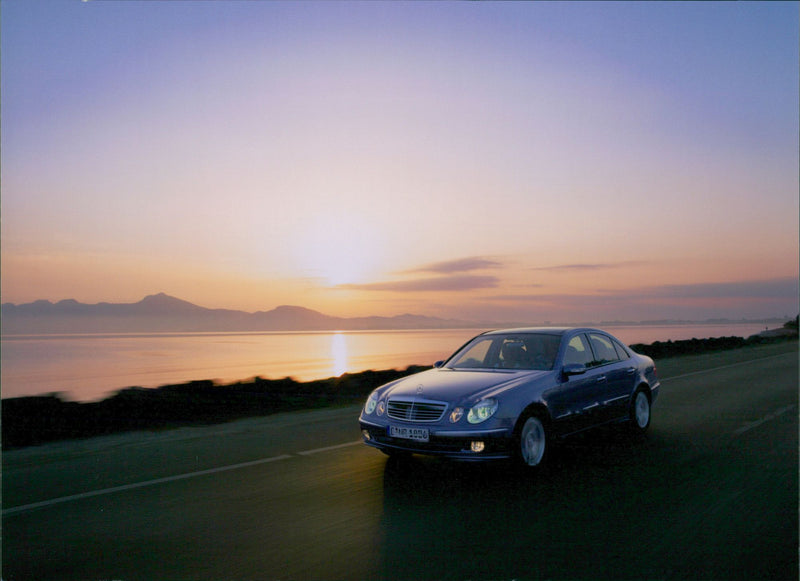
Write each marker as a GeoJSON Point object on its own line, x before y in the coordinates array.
{"type": "Point", "coordinates": [29, 421]}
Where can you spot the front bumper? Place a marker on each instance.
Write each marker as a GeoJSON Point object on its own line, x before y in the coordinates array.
{"type": "Point", "coordinates": [453, 444]}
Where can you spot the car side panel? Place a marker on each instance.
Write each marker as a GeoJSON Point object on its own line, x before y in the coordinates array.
{"type": "Point", "coordinates": [574, 404]}
{"type": "Point", "coordinates": [620, 381]}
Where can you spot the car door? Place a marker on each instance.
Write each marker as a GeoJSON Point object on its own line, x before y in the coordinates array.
{"type": "Point", "coordinates": [616, 375]}
{"type": "Point", "coordinates": [574, 402]}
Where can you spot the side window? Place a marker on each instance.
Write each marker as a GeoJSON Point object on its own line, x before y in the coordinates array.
{"type": "Point", "coordinates": [621, 352]}
{"type": "Point", "coordinates": [578, 351]}
{"type": "Point", "coordinates": [604, 351]}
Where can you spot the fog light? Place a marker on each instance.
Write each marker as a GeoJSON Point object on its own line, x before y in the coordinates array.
{"type": "Point", "coordinates": [477, 446]}
{"type": "Point", "coordinates": [456, 414]}
{"type": "Point", "coordinates": [365, 433]}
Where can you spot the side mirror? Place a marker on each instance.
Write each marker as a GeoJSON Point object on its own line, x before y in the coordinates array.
{"type": "Point", "coordinates": [573, 369]}
{"type": "Point", "coordinates": [438, 364]}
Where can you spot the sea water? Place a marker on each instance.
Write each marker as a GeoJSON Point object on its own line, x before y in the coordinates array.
{"type": "Point", "coordinates": [91, 367]}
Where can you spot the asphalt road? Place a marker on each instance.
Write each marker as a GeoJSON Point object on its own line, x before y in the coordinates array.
{"type": "Point", "coordinates": [710, 493]}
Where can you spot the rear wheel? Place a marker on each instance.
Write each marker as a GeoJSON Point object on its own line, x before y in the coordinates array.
{"type": "Point", "coordinates": [532, 442]}
{"type": "Point", "coordinates": [640, 412]}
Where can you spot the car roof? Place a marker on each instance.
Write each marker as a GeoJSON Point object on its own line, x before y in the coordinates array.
{"type": "Point", "coordinates": [542, 330]}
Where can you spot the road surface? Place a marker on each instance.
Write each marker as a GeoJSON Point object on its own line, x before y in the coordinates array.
{"type": "Point", "coordinates": [710, 493]}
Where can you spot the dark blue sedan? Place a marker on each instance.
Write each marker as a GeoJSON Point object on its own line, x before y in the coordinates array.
{"type": "Point", "coordinates": [510, 393]}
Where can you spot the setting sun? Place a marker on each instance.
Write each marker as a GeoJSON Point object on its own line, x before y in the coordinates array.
{"type": "Point", "coordinates": [338, 250]}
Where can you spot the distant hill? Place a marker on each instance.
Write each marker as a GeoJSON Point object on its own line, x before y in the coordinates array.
{"type": "Point", "coordinates": [163, 313]}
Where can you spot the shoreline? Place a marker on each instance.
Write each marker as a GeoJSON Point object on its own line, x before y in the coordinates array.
{"type": "Point", "coordinates": [33, 420]}
{"type": "Point", "coordinates": [89, 368]}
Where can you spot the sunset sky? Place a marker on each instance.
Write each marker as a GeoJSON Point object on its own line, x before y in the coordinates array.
{"type": "Point", "coordinates": [506, 161]}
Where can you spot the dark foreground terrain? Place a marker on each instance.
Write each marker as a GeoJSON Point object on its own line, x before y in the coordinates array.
{"type": "Point", "coordinates": [711, 493]}
{"type": "Point", "coordinates": [35, 420]}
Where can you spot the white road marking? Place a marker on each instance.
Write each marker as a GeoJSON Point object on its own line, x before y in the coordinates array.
{"type": "Point", "coordinates": [767, 418]}
{"type": "Point", "coordinates": [53, 501]}
{"type": "Point", "coordinates": [702, 371]}
{"type": "Point", "coordinates": [328, 448]}
{"type": "Point", "coordinates": [104, 491]}
{"type": "Point", "coordinates": [754, 424]}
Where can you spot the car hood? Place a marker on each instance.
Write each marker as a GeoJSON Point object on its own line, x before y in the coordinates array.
{"type": "Point", "coordinates": [454, 384]}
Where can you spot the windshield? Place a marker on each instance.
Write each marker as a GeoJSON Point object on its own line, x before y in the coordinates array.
{"type": "Point", "coordinates": [530, 351]}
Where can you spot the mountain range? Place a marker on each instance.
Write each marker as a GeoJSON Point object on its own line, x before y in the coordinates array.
{"type": "Point", "coordinates": [164, 313]}
{"type": "Point", "coordinates": [161, 313]}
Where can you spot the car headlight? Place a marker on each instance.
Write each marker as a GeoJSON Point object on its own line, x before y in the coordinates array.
{"type": "Point", "coordinates": [482, 411]}
{"type": "Point", "coordinates": [372, 401]}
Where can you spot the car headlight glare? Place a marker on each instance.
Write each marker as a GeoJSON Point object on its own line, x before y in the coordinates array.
{"type": "Point", "coordinates": [482, 411]}
{"type": "Point", "coordinates": [372, 401]}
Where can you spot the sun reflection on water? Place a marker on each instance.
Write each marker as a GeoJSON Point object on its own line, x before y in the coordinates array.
{"type": "Point", "coordinates": [339, 353]}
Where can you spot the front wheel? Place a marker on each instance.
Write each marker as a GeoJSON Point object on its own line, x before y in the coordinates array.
{"type": "Point", "coordinates": [640, 412]}
{"type": "Point", "coordinates": [532, 445]}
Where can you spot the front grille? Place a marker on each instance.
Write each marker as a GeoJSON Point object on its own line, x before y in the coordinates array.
{"type": "Point", "coordinates": [415, 410]}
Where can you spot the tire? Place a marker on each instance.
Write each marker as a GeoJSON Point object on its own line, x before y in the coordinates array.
{"type": "Point", "coordinates": [640, 413]}
{"type": "Point", "coordinates": [532, 442]}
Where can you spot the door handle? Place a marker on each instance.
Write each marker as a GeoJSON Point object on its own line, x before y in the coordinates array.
{"type": "Point", "coordinates": [601, 379]}
{"type": "Point", "coordinates": [631, 370]}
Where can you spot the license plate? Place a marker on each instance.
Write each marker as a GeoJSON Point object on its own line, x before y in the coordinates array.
{"type": "Point", "coordinates": [418, 434]}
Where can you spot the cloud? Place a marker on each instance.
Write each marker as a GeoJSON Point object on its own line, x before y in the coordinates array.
{"type": "Point", "coordinates": [782, 288]}
{"type": "Point", "coordinates": [588, 267]}
{"type": "Point", "coordinates": [751, 289]}
{"type": "Point", "coordinates": [445, 283]}
{"type": "Point", "coordinates": [453, 277]}
{"type": "Point", "coordinates": [459, 265]}
{"type": "Point", "coordinates": [524, 298]}
{"type": "Point", "coordinates": [731, 300]}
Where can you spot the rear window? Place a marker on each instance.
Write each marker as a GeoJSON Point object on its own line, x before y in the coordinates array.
{"type": "Point", "coordinates": [621, 351]}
